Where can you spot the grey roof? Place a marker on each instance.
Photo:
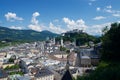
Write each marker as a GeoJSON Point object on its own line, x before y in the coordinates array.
{"type": "Point", "coordinates": [43, 72]}
{"type": "Point", "coordinates": [91, 52]}
{"type": "Point", "coordinates": [62, 71]}
{"type": "Point", "coordinates": [24, 78]}
{"type": "Point", "coordinates": [73, 71]}
{"type": "Point", "coordinates": [3, 74]}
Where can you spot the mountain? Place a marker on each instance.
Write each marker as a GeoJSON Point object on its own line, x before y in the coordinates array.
{"type": "Point", "coordinates": [27, 35]}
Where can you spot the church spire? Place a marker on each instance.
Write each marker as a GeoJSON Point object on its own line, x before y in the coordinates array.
{"type": "Point", "coordinates": [67, 75]}
{"type": "Point", "coordinates": [67, 64]}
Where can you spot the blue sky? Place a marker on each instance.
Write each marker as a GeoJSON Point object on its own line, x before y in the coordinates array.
{"type": "Point", "coordinates": [59, 15]}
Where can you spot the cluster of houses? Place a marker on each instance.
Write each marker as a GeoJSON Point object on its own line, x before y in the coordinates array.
{"type": "Point", "coordinates": [30, 59]}
{"type": "Point", "coordinates": [45, 61]}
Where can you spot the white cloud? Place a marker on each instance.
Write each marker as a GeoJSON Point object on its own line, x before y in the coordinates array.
{"type": "Point", "coordinates": [118, 21]}
{"type": "Point", "coordinates": [92, 0]}
{"type": "Point", "coordinates": [34, 16]}
{"type": "Point", "coordinates": [14, 27]}
{"type": "Point", "coordinates": [12, 17]}
{"type": "Point", "coordinates": [116, 15]}
{"type": "Point", "coordinates": [109, 10]}
{"type": "Point", "coordinates": [56, 20]}
{"type": "Point", "coordinates": [97, 29]}
{"type": "Point", "coordinates": [56, 29]}
{"type": "Point", "coordinates": [78, 24]}
{"type": "Point", "coordinates": [92, 30]}
{"type": "Point", "coordinates": [98, 8]}
{"type": "Point", "coordinates": [109, 6]}
{"type": "Point", "coordinates": [90, 3]}
{"type": "Point", "coordinates": [35, 27]}
{"type": "Point", "coordinates": [99, 18]}
{"type": "Point", "coordinates": [71, 24]}
{"type": "Point", "coordinates": [35, 23]}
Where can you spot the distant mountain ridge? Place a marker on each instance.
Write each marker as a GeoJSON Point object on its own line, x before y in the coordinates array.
{"type": "Point", "coordinates": [13, 34]}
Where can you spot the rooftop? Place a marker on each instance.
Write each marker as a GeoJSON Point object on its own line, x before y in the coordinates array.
{"type": "Point", "coordinates": [24, 78]}
{"type": "Point", "coordinates": [43, 72]}
{"type": "Point", "coordinates": [67, 76]}
{"type": "Point", "coordinates": [85, 57]}
{"type": "Point", "coordinates": [27, 60]}
{"type": "Point", "coordinates": [3, 74]}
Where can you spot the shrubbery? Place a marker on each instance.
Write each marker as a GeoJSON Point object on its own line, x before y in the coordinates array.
{"type": "Point", "coordinates": [12, 67]}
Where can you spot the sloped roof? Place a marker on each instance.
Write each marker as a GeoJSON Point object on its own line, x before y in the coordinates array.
{"type": "Point", "coordinates": [67, 76]}
{"type": "Point", "coordinates": [43, 72]}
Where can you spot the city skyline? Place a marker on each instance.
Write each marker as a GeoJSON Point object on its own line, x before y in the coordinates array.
{"type": "Point", "coordinates": [59, 15]}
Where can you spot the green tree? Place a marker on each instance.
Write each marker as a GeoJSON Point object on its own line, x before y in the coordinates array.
{"type": "Point", "coordinates": [11, 60]}
{"type": "Point", "coordinates": [105, 29]}
{"type": "Point", "coordinates": [67, 51]}
{"type": "Point", "coordinates": [62, 48]}
{"type": "Point", "coordinates": [111, 44]}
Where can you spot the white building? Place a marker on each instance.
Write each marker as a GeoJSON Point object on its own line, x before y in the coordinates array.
{"type": "Point", "coordinates": [62, 42]}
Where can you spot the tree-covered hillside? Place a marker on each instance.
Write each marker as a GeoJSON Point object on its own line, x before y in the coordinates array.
{"type": "Point", "coordinates": [27, 35]}
{"type": "Point", "coordinates": [80, 38]}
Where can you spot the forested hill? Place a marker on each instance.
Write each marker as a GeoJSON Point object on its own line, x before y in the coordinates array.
{"type": "Point", "coordinates": [80, 38]}
{"type": "Point", "coordinates": [27, 35]}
